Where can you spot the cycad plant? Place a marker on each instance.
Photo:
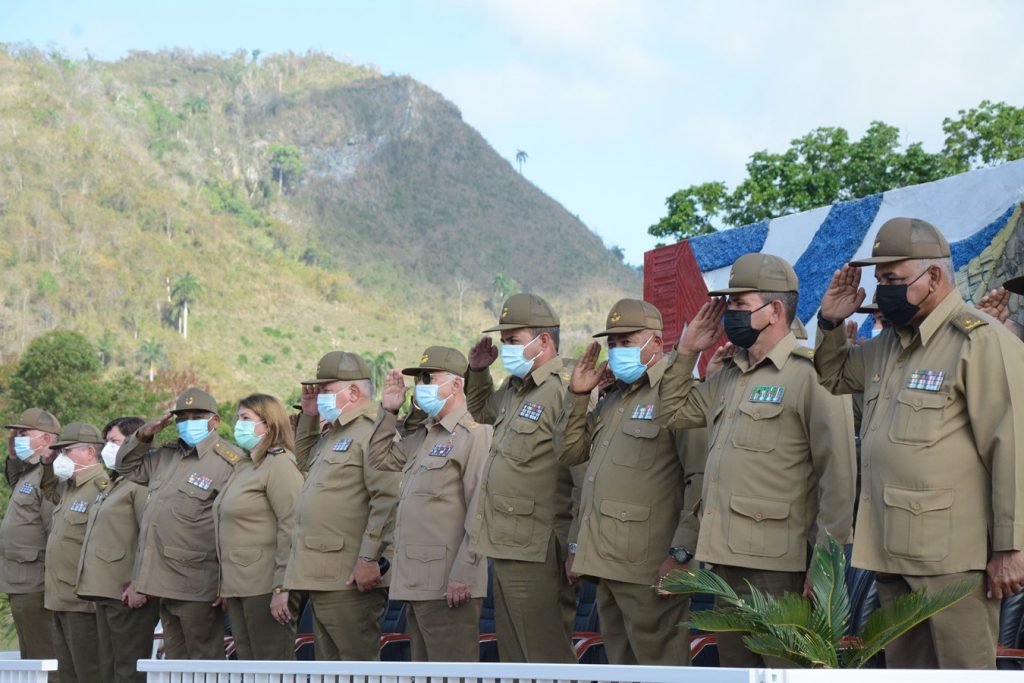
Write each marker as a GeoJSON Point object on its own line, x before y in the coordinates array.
{"type": "Point", "coordinates": [808, 632]}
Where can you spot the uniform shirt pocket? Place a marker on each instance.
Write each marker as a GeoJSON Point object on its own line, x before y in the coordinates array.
{"type": "Point", "coordinates": [758, 426]}
{"type": "Point", "coordinates": [426, 570]}
{"type": "Point", "coordinates": [110, 554]}
{"type": "Point", "coordinates": [917, 417]}
{"type": "Point", "coordinates": [918, 522]}
{"type": "Point", "coordinates": [244, 557]}
{"type": "Point", "coordinates": [640, 445]}
{"type": "Point", "coordinates": [518, 443]}
{"type": "Point", "coordinates": [624, 530]}
{"type": "Point", "coordinates": [194, 503]}
{"type": "Point", "coordinates": [758, 526]}
{"type": "Point", "coordinates": [510, 520]}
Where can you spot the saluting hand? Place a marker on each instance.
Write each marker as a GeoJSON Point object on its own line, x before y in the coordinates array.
{"type": "Point", "coordinates": [851, 333]}
{"type": "Point", "coordinates": [718, 358]}
{"type": "Point", "coordinates": [308, 400]}
{"type": "Point", "coordinates": [705, 329]}
{"type": "Point", "coordinates": [392, 396]}
{"type": "Point", "coordinates": [483, 353]}
{"type": "Point", "coordinates": [843, 296]}
{"type": "Point", "coordinates": [996, 304]}
{"type": "Point", "coordinates": [457, 594]}
{"type": "Point", "coordinates": [587, 373]}
{"type": "Point", "coordinates": [155, 426]}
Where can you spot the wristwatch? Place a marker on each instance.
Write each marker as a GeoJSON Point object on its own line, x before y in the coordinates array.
{"type": "Point", "coordinates": [680, 555]}
{"type": "Point", "coordinates": [572, 548]}
{"type": "Point", "coordinates": [278, 590]}
{"type": "Point", "coordinates": [827, 324]}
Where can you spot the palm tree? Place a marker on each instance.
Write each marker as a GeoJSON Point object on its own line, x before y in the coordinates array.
{"type": "Point", "coordinates": [152, 354]}
{"type": "Point", "coordinates": [521, 158]}
{"type": "Point", "coordinates": [183, 292]}
{"type": "Point", "coordinates": [809, 632]}
{"type": "Point", "coordinates": [380, 365]}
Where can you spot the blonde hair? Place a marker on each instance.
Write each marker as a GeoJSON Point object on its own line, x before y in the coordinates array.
{"type": "Point", "coordinates": [279, 429]}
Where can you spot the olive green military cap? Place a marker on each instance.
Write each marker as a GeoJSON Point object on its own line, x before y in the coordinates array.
{"type": "Point", "coordinates": [340, 365]}
{"type": "Point", "coordinates": [1015, 285]}
{"type": "Point", "coordinates": [195, 399]}
{"type": "Point", "coordinates": [631, 315]}
{"type": "Point", "coordinates": [439, 358]}
{"type": "Point", "coordinates": [525, 310]}
{"type": "Point", "coordinates": [79, 432]}
{"type": "Point", "coordinates": [37, 418]}
{"type": "Point", "coordinates": [759, 272]}
{"type": "Point", "coordinates": [900, 239]}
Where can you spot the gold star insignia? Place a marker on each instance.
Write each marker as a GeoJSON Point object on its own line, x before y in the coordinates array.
{"type": "Point", "coordinates": [614, 317]}
{"type": "Point", "coordinates": [504, 312]}
{"type": "Point", "coordinates": [877, 244]}
{"type": "Point", "coordinates": [424, 359]}
{"type": "Point", "coordinates": [188, 401]}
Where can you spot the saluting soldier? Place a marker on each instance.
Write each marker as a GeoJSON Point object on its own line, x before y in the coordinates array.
{"type": "Point", "coordinates": [526, 496]}
{"type": "Point", "coordinates": [779, 475]}
{"type": "Point", "coordinates": [24, 529]}
{"type": "Point", "coordinates": [74, 619]}
{"type": "Point", "coordinates": [177, 555]}
{"type": "Point", "coordinates": [941, 433]}
{"type": "Point", "coordinates": [641, 489]}
{"type": "Point", "coordinates": [345, 515]}
{"type": "Point", "coordinates": [440, 578]}
{"type": "Point", "coordinates": [255, 518]}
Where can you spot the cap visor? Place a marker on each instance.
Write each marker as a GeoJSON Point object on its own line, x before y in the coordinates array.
{"type": "Point", "coordinates": [618, 330]}
{"type": "Point", "coordinates": [506, 326]}
{"type": "Point", "coordinates": [1015, 285]}
{"type": "Point", "coordinates": [732, 290]}
{"type": "Point", "coordinates": [422, 368]}
{"type": "Point", "coordinates": [876, 260]}
{"type": "Point", "coordinates": [314, 381]}
{"type": "Point", "coordinates": [868, 309]}
{"type": "Point", "coordinates": [18, 426]}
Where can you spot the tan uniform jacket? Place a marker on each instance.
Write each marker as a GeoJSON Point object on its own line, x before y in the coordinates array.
{"type": "Point", "coordinates": [111, 540]}
{"type": "Point", "coordinates": [177, 555]}
{"type": "Point", "coordinates": [64, 544]}
{"type": "Point", "coordinates": [780, 472]}
{"type": "Point", "coordinates": [346, 508]}
{"type": "Point", "coordinates": [642, 485]}
{"type": "Point", "coordinates": [441, 463]}
{"type": "Point", "coordinates": [941, 440]}
{"type": "Point", "coordinates": [23, 533]}
{"type": "Point", "coordinates": [255, 516]}
{"type": "Point", "coordinates": [526, 494]}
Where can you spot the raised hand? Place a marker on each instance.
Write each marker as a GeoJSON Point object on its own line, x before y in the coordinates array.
{"type": "Point", "coordinates": [483, 353]}
{"type": "Point", "coordinates": [705, 328]}
{"type": "Point", "coordinates": [587, 374]}
{"type": "Point", "coordinates": [308, 400]}
{"type": "Point", "coordinates": [155, 426]}
{"type": "Point", "coordinates": [718, 358]}
{"type": "Point", "coordinates": [843, 296]}
{"type": "Point", "coordinates": [997, 304]}
{"type": "Point", "coordinates": [392, 396]}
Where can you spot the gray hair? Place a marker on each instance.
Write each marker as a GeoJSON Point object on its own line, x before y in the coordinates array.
{"type": "Point", "coordinates": [365, 387]}
{"type": "Point", "coordinates": [789, 302]}
{"type": "Point", "coordinates": [945, 264]}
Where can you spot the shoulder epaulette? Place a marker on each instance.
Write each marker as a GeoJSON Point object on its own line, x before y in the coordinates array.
{"type": "Point", "coordinates": [967, 322]}
{"type": "Point", "coordinates": [276, 450]}
{"type": "Point", "coordinates": [227, 451]}
{"type": "Point", "coordinates": [102, 483]}
{"type": "Point", "coordinates": [803, 352]}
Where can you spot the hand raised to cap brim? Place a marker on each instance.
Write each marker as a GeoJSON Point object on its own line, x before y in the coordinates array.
{"type": "Point", "coordinates": [843, 296]}
{"type": "Point", "coordinates": [705, 328]}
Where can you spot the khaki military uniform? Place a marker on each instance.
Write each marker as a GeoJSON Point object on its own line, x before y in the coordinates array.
{"type": "Point", "coordinates": [177, 556]}
{"type": "Point", "coordinates": [74, 620]}
{"type": "Point", "coordinates": [124, 635]}
{"type": "Point", "coordinates": [23, 532]}
{"type": "Point", "coordinates": [346, 510]}
{"type": "Point", "coordinates": [441, 463]}
{"type": "Point", "coordinates": [780, 469]}
{"type": "Point", "coordinates": [640, 494]}
{"type": "Point", "coordinates": [255, 517]}
{"type": "Point", "coordinates": [941, 434]}
{"type": "Point", "coordinates": [526, 508]}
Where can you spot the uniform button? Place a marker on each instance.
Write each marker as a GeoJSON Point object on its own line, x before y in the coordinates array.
{"type": "Point", "coordinates": [637, 431]}
{"type": "Point", "coordinates": [510, 508]}
{"type": "Point", "coordinates": [590, 479]}
{"type": "Point", "coordinates": [758, 516]}
{"type": "Point", "coordinates": [917, 403]}
{"type": "Point", "coordinates": [915, 506]}
{"type": "Point", "coordinates": [586, 518]}
{"type": "Point", "coordinates": [874, 427]}
{"type": "Point", "coordinates": [714, 477]}
{"type": "Point", "coordinates": [757, 414]}
{"type": "Point", "coordinates": [888, 395]}
{"type": "Point", "coordinates": [621, 410]}
{"type": "Point", "coordinates": [865, 497]}
{"type": "Point", "coordinates": [604, 443]}
{"type": "Point", "coordinates": [479, 516]}
{"type": "Point", "coordinates": [622, 514]}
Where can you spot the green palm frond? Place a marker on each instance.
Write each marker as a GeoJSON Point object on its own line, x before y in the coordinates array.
{"type": "Point", "coordinates": [801, 647]}
{"type": "Point", "coordinates": [828, 586]}
{"type": "Point", "coordinates": [698, 581]}
{"type": "Point", "coordinates": [722, 620]}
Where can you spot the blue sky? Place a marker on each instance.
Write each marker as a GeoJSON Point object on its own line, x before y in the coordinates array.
{"type": "Point", "coordinates": [617, 103]}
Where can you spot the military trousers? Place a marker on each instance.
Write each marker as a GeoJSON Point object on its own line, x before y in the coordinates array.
{"type": "Point", "coordinates": [124, 636]}
{"type": "Point", "coordinates": [534, 609]}
{"type": "Point", "coordinates": [962, 636]}
{"type": "Point", "coordinates": [33, 624]}
{"type": "Point", "coordinates": [192, 629]}
{"type": "Point", "coordinates": [257, 634]}
{"type": "Point", "coordinates": [76, 646]}
{"type": "Point", "coordinates": [439, 633]}
{"type": "Point", "coordinates": [731, 650]}
{"type": "Point", "coordinates": [346, 624]}
{"type": "Point", "coordinates": [641, 628]}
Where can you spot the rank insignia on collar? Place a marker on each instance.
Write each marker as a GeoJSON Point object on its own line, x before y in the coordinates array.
{"type": "Point", "coordinates": [441, 450]}
{"type": "Point", "coordinates": [199, 481]}
{"type": "Point", "coordinates": [341, 445]}
{"type": "Point", "coordinates": [643, 412]}
{"type": "Point", "coordinates": [531, 411]}
{"type": "Point", "coordinates": [79, 506]}
{"type": "Point", "coordinates": [767, 394]}
{"type": "Point", "coordinates": [26, 488]}
{"type": "Point", "coordinates": [927, 380]}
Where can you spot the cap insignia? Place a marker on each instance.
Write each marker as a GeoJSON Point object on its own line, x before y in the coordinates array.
{"type": "Point", "coordinates": [424, 359]}
{"type": "Point", "coordinates": [614, 317]}
{"type": "Point", "coordinates": [504, 312]}
{"type": "Point", "coordinates": [188, 401]}
{"type": "Point", "coordinates": [877, 244]}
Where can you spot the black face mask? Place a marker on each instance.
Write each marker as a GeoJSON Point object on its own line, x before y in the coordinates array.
{"type": "Point", "coordinates": [893, 304]}
{"type": "Point", "coordinates": [738, 328]}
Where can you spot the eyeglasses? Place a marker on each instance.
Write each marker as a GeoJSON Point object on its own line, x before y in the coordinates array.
{"type": "Point", "coordinates": [68, 449]}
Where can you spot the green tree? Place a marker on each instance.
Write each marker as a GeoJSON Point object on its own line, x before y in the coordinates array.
{"type": "Point", "coordinates": [285, 166]}
{"type": "Point", "coordinates": [152, 354]}
{"type": "Point", "coordinates": [504, 286]}
{"type": "Point", "coordinates": [380, 365]}
{"type": "Point", "coordinates": [521, 158]}
{"type": "Point", "coordinates": [184, 290]}
{"type": "Point", "coordinates": [990, 134]}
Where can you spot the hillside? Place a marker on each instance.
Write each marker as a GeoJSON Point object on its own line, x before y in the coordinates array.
{"type": "Point", "coordinates": [317, 204]}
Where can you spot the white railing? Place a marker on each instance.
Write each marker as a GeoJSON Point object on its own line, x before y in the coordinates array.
{"type": "Point", "coordinates": [14, 670]}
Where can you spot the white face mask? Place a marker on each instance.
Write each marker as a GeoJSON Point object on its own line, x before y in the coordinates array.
{"type": "Point", "coordinates": [63, 467]}
{"type": "Point", "coordinates": [109, 454]}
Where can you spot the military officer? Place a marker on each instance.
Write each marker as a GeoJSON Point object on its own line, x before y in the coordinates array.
{"type": "Point", "coordinates": [25, 526]}
{"type": "Point", "coordinates": [177, 555]}
{"type": "Point", "coordinates": [124, 620]}
{"type": "Point", "coordinates": [74, 619]}
{"type": "Point", "coordinates": [780, 470]}
{"type": "Point", "coordinates": [526, 495]}
{"type": "Point", "coordinates": [345, 514]}
{"type": "Point", "coordinates": [641, 489]}
{"type": "Point", "coordinates": [442, 581]}
{"type": "Point", "coordinates": [941, 433]}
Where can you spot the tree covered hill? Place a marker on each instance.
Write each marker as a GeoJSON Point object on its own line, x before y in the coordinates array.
{"type": "Point", "coordinates": [271, 209]}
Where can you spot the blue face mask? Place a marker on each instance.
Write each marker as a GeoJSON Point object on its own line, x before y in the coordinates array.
{"type": "Point", "coordinates": [245, 434]}
{"type": "Point", "coordinates": [514, 360]}
{"type": "Point", "coordinates": [327, 406]}
{"type": "Point", "coordinates": [23, 447]}
{"type": "Point", "coordinates": [625, 363]}
{"type": "Point", "coordinates": [194, 431]}
{"type": "Point", "coordinates": [428, 400]}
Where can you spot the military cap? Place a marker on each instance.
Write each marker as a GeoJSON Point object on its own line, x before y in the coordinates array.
{"type": "Point", "coordinates": [340, 365]}
{"type": "Point", "coordinates": [900, 239]}
{"type": "Point", "coordinates": [759, 272]}
{"type": "Point", "coordinates": [525, 310]}
{"type": "Point", "coordinates": [79, 432]}
{"type": "Point", "coordinates": [195, 399]}
{"type": "Point", "coordinates": [37, 418]}
{"type": "Point", "coordinates": [1015, 285]}
{"type": "Point", "coordinates": [631, 315]}
{"type": "Point", "coordinates": [439, 358]}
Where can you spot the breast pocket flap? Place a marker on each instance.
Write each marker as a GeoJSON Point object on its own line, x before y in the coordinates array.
{"type": "Point", "coordinates": [625, 512]}
{"type": "Point", "coordinates": [918, 502]}
{"type": "Point", "coordinates": [425, 553]}
{"type": "Point", "coordinates": [759, 508]}
{"type": "Point", "coordinates": [761, 411]}
{"type": "Point", "coordinates": [513, 506]}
